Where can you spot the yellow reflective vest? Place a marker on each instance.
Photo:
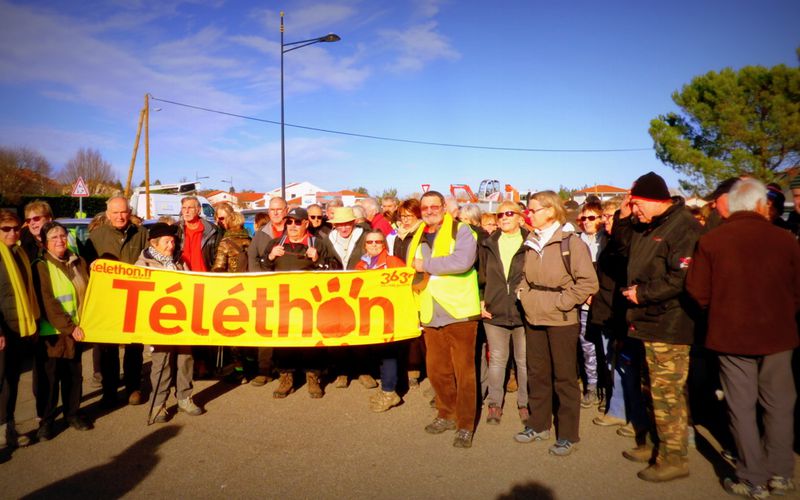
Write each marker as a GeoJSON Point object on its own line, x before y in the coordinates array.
{"type": "Point", "coordinates": [64, 291]}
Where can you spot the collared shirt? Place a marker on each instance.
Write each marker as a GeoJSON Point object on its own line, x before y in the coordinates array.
{"type": "Point", "coordinates": [541, 237]}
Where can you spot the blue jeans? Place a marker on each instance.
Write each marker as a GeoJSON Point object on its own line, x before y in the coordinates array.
{"type": "Point", "coordinates": [388, 354]}
{"type": "Point", "coordinates": [630, 363]}
{"type": "Point", "coordinates": [615, 399]}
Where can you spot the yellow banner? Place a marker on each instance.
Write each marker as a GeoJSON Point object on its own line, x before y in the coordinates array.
{"type": "Point", "coordinates": [126, 304]}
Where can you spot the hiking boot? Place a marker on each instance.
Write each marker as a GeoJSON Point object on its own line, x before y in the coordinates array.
{"type": "Point", "coordinates": [367, 381]}
{"type": "Point", "coordinates": [528, 435]}
{"type": "Point", "coordinates": [439, 425]}
{"type": "Point", "coordinates": [562, 448]}
{"type": "Point", "coordinates": [340, 382]}
{"type": "Point", "coordinates": [779, 485]}
{"type": "Point", "coordinates": [135, 398]}
{"type": "Point", "coordinates": [642, 453]}
{"type": "Point", "coordinates": [626, 431]}
{"type": "Point", "coordinates": [744, 489]}
{"type": "Point", "coordinates": [384, 401]}
{"type": "Point", "coordinates": [607, 421]}
{"type": "Point", "coordinates": [512, 385]}
{"type": "Point", "coordinates": [664, 471]}
{"type": "Point", "coordinates": [285, 386]}
{"type": "Point", "coordinates": [159, 415]}
{"type": "Point", "coordinates": [413, 379]}
{"type": "Point", "coordinates": [495, 412]}
{"type": "Point", "coordinates": [524, 414]}
{"type": "Point", "coordinates": [259, 380]}
{"type": "Point", "coordinates": [96, 382]}
{"type": "Point", "coordinates": [589, 397]}
{"type": "Point", "coordinates": [187, 406]}
{"type": "Point", "coordinates": [463, 439]}
{"type": "Point", "coordinates": [314, 389]}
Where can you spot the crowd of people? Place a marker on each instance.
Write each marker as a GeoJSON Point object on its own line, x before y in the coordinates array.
{"type": "Point", "coordinates": [638, 309]}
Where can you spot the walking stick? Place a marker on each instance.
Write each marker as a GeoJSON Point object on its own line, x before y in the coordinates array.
{"type": "Point", "coordinates": [155, 389]}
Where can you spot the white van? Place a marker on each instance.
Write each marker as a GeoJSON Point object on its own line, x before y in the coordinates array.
{"type": "Point", "coordinates": [166, 200]}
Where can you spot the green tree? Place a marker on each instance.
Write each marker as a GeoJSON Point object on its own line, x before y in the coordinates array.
{"type": "Point", "coordinates": [361, 190]}
{"type": "Point", "coordinates": [732, 123]}
{"type": "Point", "coordinates": [388, 192]}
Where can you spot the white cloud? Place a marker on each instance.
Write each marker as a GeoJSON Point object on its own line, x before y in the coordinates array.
{"type": "Point", "coordinates": [418, 46]}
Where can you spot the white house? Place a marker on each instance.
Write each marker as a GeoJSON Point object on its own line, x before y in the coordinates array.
{"type": "Point", "coordinates": [602, 191]}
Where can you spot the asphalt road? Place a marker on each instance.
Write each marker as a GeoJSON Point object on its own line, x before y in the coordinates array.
{"type": "Point", "coordinates": [249, 445]}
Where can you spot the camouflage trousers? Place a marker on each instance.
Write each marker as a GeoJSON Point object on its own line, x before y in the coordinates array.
{"type": "Point", "coordinates": [668, 367]}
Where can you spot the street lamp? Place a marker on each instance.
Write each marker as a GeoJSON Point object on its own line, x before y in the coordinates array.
{"type": "Point", "coordinates": [330, 37]}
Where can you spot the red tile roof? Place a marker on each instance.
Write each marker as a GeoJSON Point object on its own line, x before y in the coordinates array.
{"type": "Point", "coordinates": [602, 188]}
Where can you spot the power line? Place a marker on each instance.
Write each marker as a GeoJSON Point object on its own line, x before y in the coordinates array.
{"type": "Point", "coordinates": [407, 141]}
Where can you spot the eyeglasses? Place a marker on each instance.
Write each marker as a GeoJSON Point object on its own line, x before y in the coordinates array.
{"type": "Point", "coordinates": [315, 217]}
{"type": "Point", "coordinates": [35, 218]}
{"type": "Point", "coordinates": [507, 213]}
{"type": "Point", "coordinates": [57, 237]}
{"type": "Point", "coordinates": [294, 222]}
{"type": "Point", "coordinates": [9, 229]}
{"type": "Point", "coordinates": [590, 218]}
{"type": "Point", "coordinates": [221, 218]}
{"type": "Point", "coordinates": [607, 216]}
{"type": "Point", "coordinates": [374, 242]}
{"type": "Point", "coordinates": [406, 216]}
{"type": "Point", "coordinates": [432, 209]}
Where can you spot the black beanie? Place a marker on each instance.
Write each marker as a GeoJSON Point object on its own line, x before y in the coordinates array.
{"type": "Point", "coordinates": [650, 186]}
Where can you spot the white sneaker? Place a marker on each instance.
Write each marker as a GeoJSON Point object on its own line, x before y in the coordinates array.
{"type": "Point", "coordinates": [187, 406]}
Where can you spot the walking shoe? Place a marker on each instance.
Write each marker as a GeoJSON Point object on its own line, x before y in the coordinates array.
{"type": "Point", "coordinates": [79, 423]}
{"type": "Point", "coordinates": [779, 485]}
{"type": "Point", "coordinates": [135, 398]}
{"type": "Point", "coordinates": [159, 415]}
{"type": "Point", "coordinates": [367, 381]}
{"type": "Point", "coordinates": [589, 397]}
{"type": "Point", "coordinates": [626, 431]}
{"type": "Point", "coordinates": [96, 381]}
{"type": "Point", "coordinates": [512, 385]}
{"type": "Point", "coordinates": [314, 389]}
{"type": "Point", "coordinates": [495, 412]}
{"type": "Point", "coordinates": [45, 432]}
{"type": "Point", "coordinates": [642, 453]}
{"type": "Point", "coordinates": [285, 386]}
{"type": "Point", "coordinates": [384, 401]}
{"type": "Point", "coordinates": [432, 402]}
{"type": "Point", "coordinates": [439, 425]}
{"type": "Point", "coordinates": [528, 435]}
{"type": "Point", "coordinates": [463, 439]}
{"type": "Point", "coordinates": [341, 382]}
{"type": "Point", "coordinates": [562, 448]}
{"type": "Point", "coordinates": [187, 406]}
{"type": "Point", "coordinates": [607, 421]}
{"type": "Point", "coordinates": [11, 438]}
{"type": "Point", "coordinates": [259, 380]}
{"type": "Point", "coordinates": [524, 414]}
{"type": "Point", "coordinates": [744, 489]}
{"type": "Point", "coordinates": [664, 471]}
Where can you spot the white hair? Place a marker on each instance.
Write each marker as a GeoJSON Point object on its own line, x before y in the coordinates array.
{"type": "Point", "coordinates": [370, 206]}
{"type": "Point", "coordinates": [746, 194]}
{"type": "Point", "coordinates": [358, 212]}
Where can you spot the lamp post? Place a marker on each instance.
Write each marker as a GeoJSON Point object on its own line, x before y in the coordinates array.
{"type": "Point", "coordinates": [330, 37]}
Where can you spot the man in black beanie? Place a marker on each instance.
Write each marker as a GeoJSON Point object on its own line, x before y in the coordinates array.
{"type": "Point", "coordinates": [660, 237]}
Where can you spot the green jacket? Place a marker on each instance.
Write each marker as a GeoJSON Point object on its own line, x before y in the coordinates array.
{"type": "Point", "coordinates": [107, 242]}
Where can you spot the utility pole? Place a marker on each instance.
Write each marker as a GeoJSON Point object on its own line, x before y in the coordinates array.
{"type": "Point", "coordinates": [147, 152]}
{"type": "Point", "coordinates": [135, 148]}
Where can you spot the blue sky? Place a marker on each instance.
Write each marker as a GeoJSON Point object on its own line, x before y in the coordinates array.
{"type": "Point", "coordinates": [517, 74]}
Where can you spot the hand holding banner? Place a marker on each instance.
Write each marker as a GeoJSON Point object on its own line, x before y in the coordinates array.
{"type": "Point", "coordinates": [126, 304]}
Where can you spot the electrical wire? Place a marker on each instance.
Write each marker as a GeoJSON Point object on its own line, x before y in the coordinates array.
{"type": "Point", "coordinates": [393, 139]}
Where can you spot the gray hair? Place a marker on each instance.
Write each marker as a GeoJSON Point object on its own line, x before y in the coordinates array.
{"type": "Point", "coordinates": [358, 212]}
{"type": "Point", "coordinates": [191, 198]}
{"type": "Point", "coordinates": [370, 206]}
{"type": "Point", "coordinates": [472, 213]}
{"type": "Point", "coordinates": [118, 197]}
{"type": "Point", "coordinates": [746, 194]}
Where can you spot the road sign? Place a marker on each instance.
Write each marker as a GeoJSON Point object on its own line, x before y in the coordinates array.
{"type": "Point", "coordinates": [426, 188]}
{"type": "Point", "coordinates": [79, 189]}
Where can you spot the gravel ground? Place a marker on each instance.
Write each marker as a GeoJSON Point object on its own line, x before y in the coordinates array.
{"type": "Point", "coordinates": [249, 445]}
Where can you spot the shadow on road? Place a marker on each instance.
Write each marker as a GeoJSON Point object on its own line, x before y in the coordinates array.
{"type": "Point", "coordinates": [528, 491]}
{"type": "Point", "coordinates": [115, 478]}
{"type": "Point", "coordinates": [722, 468]}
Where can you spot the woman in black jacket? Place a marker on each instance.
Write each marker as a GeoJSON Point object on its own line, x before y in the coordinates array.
{"type": "Point", "coordinates": [502, 256]}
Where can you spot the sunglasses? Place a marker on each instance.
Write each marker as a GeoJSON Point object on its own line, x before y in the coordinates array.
{"type": "Point", "coordinates": [507, 213]}
{"type": "Point", "coordinates": [8, 229]}
{"type": "Point", "coordinates": [294, 222]}
{"type": "Point", "coordinates": [590, 218]}
{"type": "Point", "coordinates": [315, 217]}
{"type": "Point", "coordinates": [220, 218]}
{"type": "Point", "coordinates": [374, 242]}
{"type": "Point", "coordinates": [35, 218]}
